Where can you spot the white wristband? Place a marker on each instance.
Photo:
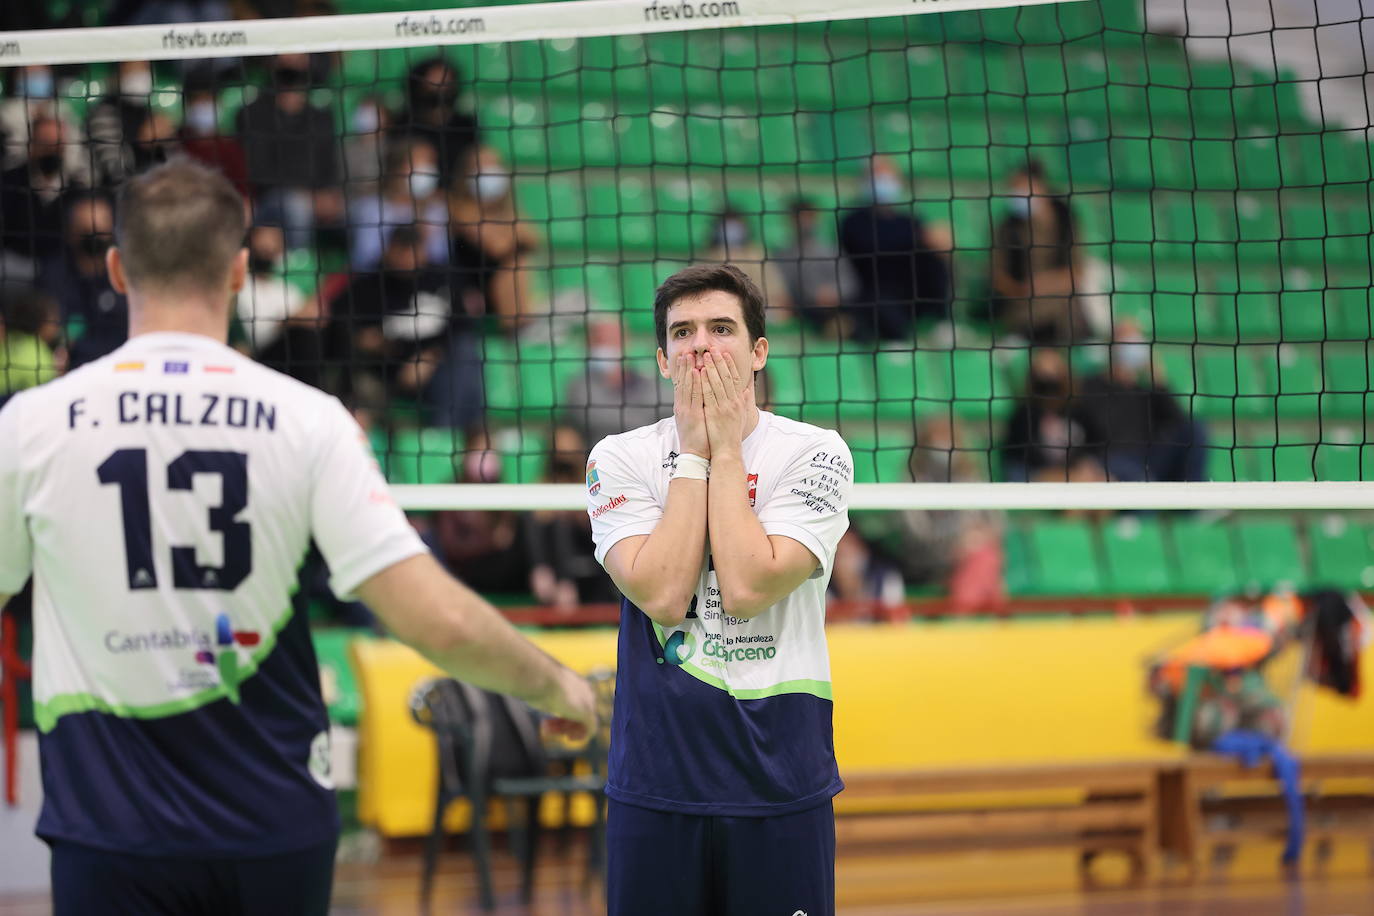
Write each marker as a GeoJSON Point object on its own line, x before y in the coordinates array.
{"type": "Point", "coordinates": [691, 467]}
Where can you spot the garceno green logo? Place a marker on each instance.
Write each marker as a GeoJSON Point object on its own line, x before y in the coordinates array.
{"type": "Point", "coordinates": [679, 648]}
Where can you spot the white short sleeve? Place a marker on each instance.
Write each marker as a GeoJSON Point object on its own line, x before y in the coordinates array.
{"type": "Point", "coordinates": [810, 503]}
{"type": "Point", "coordinates": [353, 517]}
{"type": "Point", "coordinates": [619, 499]}
{"type": "Point", "coordinates": [16, 545]}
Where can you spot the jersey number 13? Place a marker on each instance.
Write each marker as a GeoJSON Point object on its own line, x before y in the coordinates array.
{"type": "Point", "coordinates": [128, 470]}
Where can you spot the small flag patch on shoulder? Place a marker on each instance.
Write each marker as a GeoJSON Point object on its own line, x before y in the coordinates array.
{"type": "Point", "coordinates": [129, 367]}
{"type": "Point", "coordinates": [223, 370]}
{"type": "Point", "coordinates": [173, 367]}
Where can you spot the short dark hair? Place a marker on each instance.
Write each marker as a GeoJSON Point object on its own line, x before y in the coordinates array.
{"type": "Point", "coordinates": [708, 278]}
{"type": "Point", "coordinates": [179, 226]}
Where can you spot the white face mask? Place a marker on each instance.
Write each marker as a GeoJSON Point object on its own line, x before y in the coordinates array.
{"type": "Point", "coordinates": [490, 186]}
{"type": "Point", "coordinates": [423, 184]}
{"type": "Point", "coordinates": [136, 83]}
{"type": "Point", "coordinates": [604, 355]}
{"type": "Point", "coordinates": [1132, 355]}
{"type": "Point", "coordinates": [200, 118]}
{"type": "Point", "coordinates": [366, 120]}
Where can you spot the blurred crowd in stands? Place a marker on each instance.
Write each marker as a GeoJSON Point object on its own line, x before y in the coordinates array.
{"type": "Point", "coordinates": [384, 250]}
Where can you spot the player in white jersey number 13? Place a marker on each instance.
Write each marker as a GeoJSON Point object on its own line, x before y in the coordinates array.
{"type": "Point", "coordinates": [162, 499]}
{"type": "Point", "coordinates": [719, 525]}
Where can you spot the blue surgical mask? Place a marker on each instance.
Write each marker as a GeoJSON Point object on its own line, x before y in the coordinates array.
{"type": "Point", "coordinates": [1019, 206]}
{"type": "Point", "coordinates": [200, 118]}
{"type": "Point", "coordinates": [38, 84]}
{"type": "Point", "coordinates": [734, 234]}
{"type": "Point", "coordinates": [888, 189]}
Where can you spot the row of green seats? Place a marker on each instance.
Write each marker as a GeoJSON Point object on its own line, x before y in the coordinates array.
{"type": "Point", "coordinates": [1143, 556]}
{"type": "Point", "coordinates": [434, 455]}
{"type": "Point", "coordinates": [1290, 316]}
{"type": "Point", "coordinates": [1269, 382]}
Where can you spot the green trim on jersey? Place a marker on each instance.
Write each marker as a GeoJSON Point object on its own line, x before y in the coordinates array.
{"type": "Point", "coordinates": [815, 688]}
{"type": "Point", "coordinates": [45, 715]}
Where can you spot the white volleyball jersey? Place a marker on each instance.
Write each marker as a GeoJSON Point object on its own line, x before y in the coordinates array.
{"type": "Point", "coordinates": [164, 498]}
{"type": "Point", "coordinates": [721, 715]}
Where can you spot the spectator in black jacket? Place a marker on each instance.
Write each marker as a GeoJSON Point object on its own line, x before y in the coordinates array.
{"type": "Point", "coordinates": [1134, 421]}
{"type": "Point", "coordinates": [1044, 440]}
{"type": "Point", "coordinates": [431, 94]}
{"type": "Point", "coordinates": [902, 275]}
{"type": "Point", "coordinates": [95, 315]}
{"type": "Point", "coordinates": [292, 152]}
{"type": "Point", "coordinates": [31, 195]}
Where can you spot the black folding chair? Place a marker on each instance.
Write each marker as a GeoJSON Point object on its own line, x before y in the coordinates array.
{"type": "Point", "coordinates": [489, 746]}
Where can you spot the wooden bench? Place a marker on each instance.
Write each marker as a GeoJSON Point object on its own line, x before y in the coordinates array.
{"type": "Point", "coordinates": [1092, 808]}
{"type": "Point", "coordinates": [1209, 804]}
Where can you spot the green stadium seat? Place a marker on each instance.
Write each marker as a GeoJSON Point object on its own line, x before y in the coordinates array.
{"type": "Point", "coordinates": [1348, 383]}
{"type": "Point", "coordinates": [1347, 313]}
{"type": "Point", "coordinates": [1229, 384]}
{"type": "Point", "coordinates": [1066, 559]}
{"type": "Point", "coordinates": [1345, 458]}
{"type": "Point", "coordinates": [1292, 373]}
{"type": "Point", "coordinates": [1204, 557]}
{"type": "Point", "coordinates": [340, 686]}
{"type": "Point", "coordinates": [1019, 570]}
{"type": "Point", "coordinates": [1136, 560]}
{"type": "Point", "coordinates": [423, 456]}
{"type": "Point", "coordinates": [1132, 217]}
{"type": "Point", "coordinates": [909, 384]}
{"type": "Point", "coordinates": [1342, 553]}
{"type": "Point", "coordinates": [1269, 553]}
{"type": "Point", "coordinates": [523, 456]}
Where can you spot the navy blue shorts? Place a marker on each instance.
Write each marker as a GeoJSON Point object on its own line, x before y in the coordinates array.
{"type": "Point", "coordinates": [689, 865]}
{"type": "Point", "coordinates": [87, 880]}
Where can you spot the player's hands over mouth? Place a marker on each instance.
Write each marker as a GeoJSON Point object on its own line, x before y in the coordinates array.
{"type": "Point", "coordinates": [689, 410]}
{"type": "Point", "coordinates": [728, 396]}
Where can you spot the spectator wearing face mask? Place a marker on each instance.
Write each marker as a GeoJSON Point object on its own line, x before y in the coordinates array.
{"type": "Point", "coordinates": [200, 136]}
{"type": "Point", "coordinates": [610, 395]}
{"type": "Point", "coordinates": [564, 573]}
{"type": "Point", "coordinates": [1035, 264]}
{"type": "Point", "coordinates": [31, 94]}
{"type": "Point", "coordinates": [486, 550]}
{"type": "Point", "coordinates": [291, 150]}
{"type": "Point", "coordinates": [1132, 418]}
{"type": "Point", "coordinates": [489, 244]}
{"type": "Point", "coordinates": [1044, 440]}
{"type": "Point", "coordinates": [364, 148]}
{"type": "Point", "coordinates": [114, 121]}
{"type": "Point", "coordinates": [97, 317]}
{"type": "Point", "coordinates": [902, 275]}
{"type": "Point", "coordinates": [430, 114]}
{"type": "Point", "coordinates": [31, 197]}
{"type": "Point", "coordinates": [818, 279]}
{"type": "Point", "coordinates": [409, 195]}
{"type": "Point", "coordinates": [732, 242]}
{"type": "Point", "coordinates": [280, 318]}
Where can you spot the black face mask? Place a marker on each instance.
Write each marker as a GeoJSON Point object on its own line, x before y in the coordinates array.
{"type": "Point", "coordinates": [146, 156]}
{"type": "Point", "coordinates": [49, 163]}
{"type": "Point", "coordinates": [261, 264]}
{"type": "Point", "coordinates": [93, 244]}
{"type": "Point", "coordinates": [432, 100]}
{"type": "Point", "coordinates": [289, 77]}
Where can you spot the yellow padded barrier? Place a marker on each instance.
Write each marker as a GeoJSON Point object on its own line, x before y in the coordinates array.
{"type": "Point", "coordinates": [925, 695]}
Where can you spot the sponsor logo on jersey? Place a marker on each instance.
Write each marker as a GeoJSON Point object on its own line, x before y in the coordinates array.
{"type": "Point", "coordinates": [753, 481]}
{"type": "Point", "coordinates": [174, 367]}
{"type": "Point", "coordinates": [616, 502]}
{"type": "Point", "coordinates": [222, 370]}
{"type": "Point", "coordinates": [224, 655]}
{"type": "Point", "coordinates": [593, 478]}
{"type": "Point", "coordinates": [680, 647]}
{"type": "Point", "coordinates": [136, 366]}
